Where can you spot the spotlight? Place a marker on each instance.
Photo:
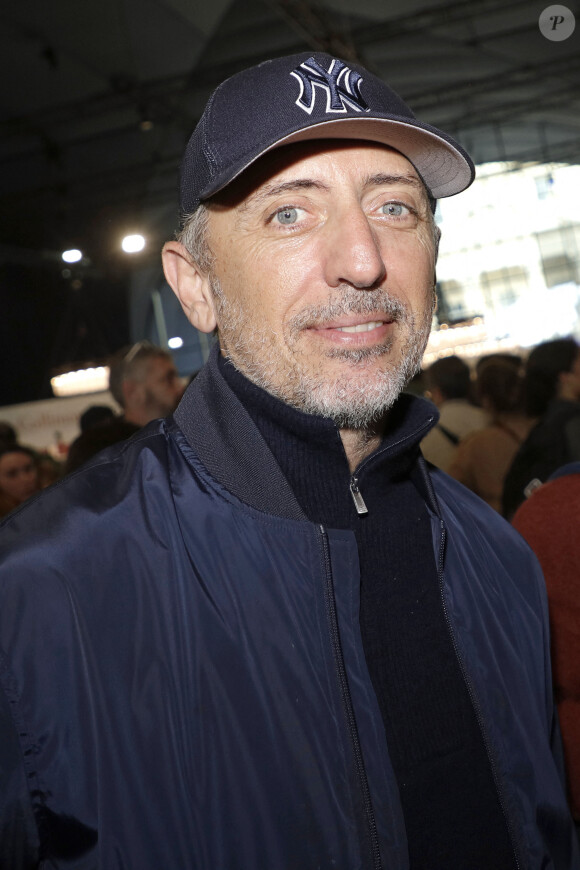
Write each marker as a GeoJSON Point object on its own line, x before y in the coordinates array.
{"type": "Point", "coordinates": [72, 256]}
{"type": "Point", "coordinates": [133, 244]}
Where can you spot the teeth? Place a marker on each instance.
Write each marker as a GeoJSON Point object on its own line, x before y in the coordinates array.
{"type": "Point", "coordinates": [361, 327]}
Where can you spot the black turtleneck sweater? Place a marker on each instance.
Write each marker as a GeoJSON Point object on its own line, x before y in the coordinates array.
{"type": "Point", "coordinates": [452, 812]}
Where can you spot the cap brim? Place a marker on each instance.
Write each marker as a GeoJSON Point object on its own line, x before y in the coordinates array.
{"type": "Point", "coordinates": [444, 167]}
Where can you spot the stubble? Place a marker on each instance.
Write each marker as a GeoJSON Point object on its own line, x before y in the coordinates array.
{"type": "Point", "coordinates": [371, 378]}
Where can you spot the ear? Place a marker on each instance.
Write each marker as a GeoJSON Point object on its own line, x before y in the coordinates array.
{"type": "Point", "coordinates": [437, 239]}
{"type": "Point", "coordinates": [191, 286]}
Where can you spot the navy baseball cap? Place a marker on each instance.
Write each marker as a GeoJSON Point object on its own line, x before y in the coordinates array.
{"type": "Point", "coordinates": [310, 96]}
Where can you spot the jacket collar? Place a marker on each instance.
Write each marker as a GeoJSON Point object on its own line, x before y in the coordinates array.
{"type": "Point", "coordinates": [223, 435]}
{"type": "Point", "coordinates": [225, 438]}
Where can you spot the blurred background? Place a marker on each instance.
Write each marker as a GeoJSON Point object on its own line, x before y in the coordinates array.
{"type": "Point", "coordinates": [97, 100]}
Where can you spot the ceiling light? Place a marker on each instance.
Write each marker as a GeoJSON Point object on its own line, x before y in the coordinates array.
{"type": "Point", "coordinates": [133, 244]}
{"type": "Point", "coordinates": [175, 342]}
{"type": "Point", "coordinates": [92, 380]}
{"type": "Point", "coordinates": [72, 256]}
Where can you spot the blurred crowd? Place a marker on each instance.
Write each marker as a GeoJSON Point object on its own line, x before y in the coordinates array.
{"type": "Point", "coordinates": [505, 425]}
{"type": "Point", "coordinates": [145, 384]}
{"type": "Point", "coordinates": [508, 429]}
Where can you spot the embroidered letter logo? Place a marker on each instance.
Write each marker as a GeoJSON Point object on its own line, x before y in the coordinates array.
{"type": "Point", "coordinates": [342, 86]}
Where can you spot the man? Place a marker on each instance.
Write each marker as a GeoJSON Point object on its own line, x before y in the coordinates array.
{"type": "Point", "coordinates": [260, 635]}
{"type": "Point", "coordinates": [145, 383]}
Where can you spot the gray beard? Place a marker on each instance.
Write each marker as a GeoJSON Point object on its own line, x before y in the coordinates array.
{"type": "Point", "coordinates": [352, 403]}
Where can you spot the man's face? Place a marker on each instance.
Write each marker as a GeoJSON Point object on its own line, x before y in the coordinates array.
{"type": "Point", "coordinates": [162, 387]}
{"type": "Point", "coordinates": [323, 277]}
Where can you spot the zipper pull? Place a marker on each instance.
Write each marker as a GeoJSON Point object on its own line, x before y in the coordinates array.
{"type": "Point", "coordinates": [357, 498]}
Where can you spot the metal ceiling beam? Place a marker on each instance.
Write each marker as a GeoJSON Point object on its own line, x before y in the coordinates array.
{"type": "Point", "coordinates": [172, 91]}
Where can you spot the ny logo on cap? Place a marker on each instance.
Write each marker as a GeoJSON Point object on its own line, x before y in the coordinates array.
{"type": "Point", "coordinates": [342, 86]}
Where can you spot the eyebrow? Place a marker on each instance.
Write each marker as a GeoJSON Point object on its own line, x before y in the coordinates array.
{"type": "Point", "coordinates": [381, 178]}
{"type": "Point", "coordinates": [270, 190]}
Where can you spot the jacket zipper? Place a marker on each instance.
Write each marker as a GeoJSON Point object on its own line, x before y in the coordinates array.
{"type": "Point", "coordinates": [355, 492]}
{"type": "Point", "coordinates": [347, 702]}
{"type": "Point", "coordinates": [471, 691]}
{"type": "Point", "coordinates": [357, 498]}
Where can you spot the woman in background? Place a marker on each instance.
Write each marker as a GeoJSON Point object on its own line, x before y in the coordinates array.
{"type": "Point", "coordinates": [483, 458]}
{"type": "Point", "coordinates": [18, 476]}
{"type": "Point", "coordinates": [551, 394]}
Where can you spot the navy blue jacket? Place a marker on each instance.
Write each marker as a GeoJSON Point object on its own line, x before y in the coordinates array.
{"type": "Point", "coordinates": [184, 684]}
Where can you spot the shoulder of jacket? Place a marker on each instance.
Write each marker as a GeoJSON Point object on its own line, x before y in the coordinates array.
{"type": "Point", "coordinates": [97, 485]}
{"type": "Point", "coordinates": [467, 510]}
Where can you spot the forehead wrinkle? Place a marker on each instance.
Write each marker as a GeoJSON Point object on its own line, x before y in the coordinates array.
{"type": "Point", "coordinates": [270, 190]}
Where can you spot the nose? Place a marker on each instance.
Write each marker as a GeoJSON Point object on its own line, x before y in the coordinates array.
{"type": "Point", "coordinates": [354, 255]}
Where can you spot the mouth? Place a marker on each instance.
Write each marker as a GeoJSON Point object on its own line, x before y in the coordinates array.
{"type": "Point", "coordinates": [361, 327]}
{"type": "Point", "coordinates": [354, 331]}
{"type": "Point", "coordinates": [367, 323]}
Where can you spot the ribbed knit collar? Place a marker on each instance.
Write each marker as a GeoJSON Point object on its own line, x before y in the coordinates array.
{"type": "Point", "coordinates": [309, 450]}
{"type": "Point", "coordinates": [408, 422]}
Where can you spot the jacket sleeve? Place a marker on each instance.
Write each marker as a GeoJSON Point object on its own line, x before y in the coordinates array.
{"type": "Point", "coordinates": [19, 843]}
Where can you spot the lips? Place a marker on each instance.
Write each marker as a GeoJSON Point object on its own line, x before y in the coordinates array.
{"type": "Point", "coordinates": [360, 327]}
{"type": "Point", "coordinates": [354, 331]}
{"type": "Point", "coordinates": [354, 321]}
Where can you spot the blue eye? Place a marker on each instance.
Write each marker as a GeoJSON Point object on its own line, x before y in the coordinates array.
{"type": "Point", "coordinates": [287, 215]}
{"type": "Point", "coordinates": [394, 209]}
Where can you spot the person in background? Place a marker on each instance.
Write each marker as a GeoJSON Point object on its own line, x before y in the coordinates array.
{"type": "Point", "coordinates": [483, 457]}
{"type": "Point", "coordinates": [145, 383]}
{"type": "Point", "coordinates": [18, 476]}
{"type": "Point", "coordinates": [48, 469]}
{"type": "Point", "coordinates": [449, 386]}
{"type": "Point", "coordinates": [551, 392]}
{"type": "Point", "coordinates": [550, 522]}
{"type": "Point", "coordinates": [8, 434]}
{"type": "Point", "coordinates": [96, 415]}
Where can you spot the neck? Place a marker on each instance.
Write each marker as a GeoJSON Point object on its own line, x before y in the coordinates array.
{"type": "Point", "coordinates": [138, 417]}
{"type": "Point", "coordinates": [360, 443]}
